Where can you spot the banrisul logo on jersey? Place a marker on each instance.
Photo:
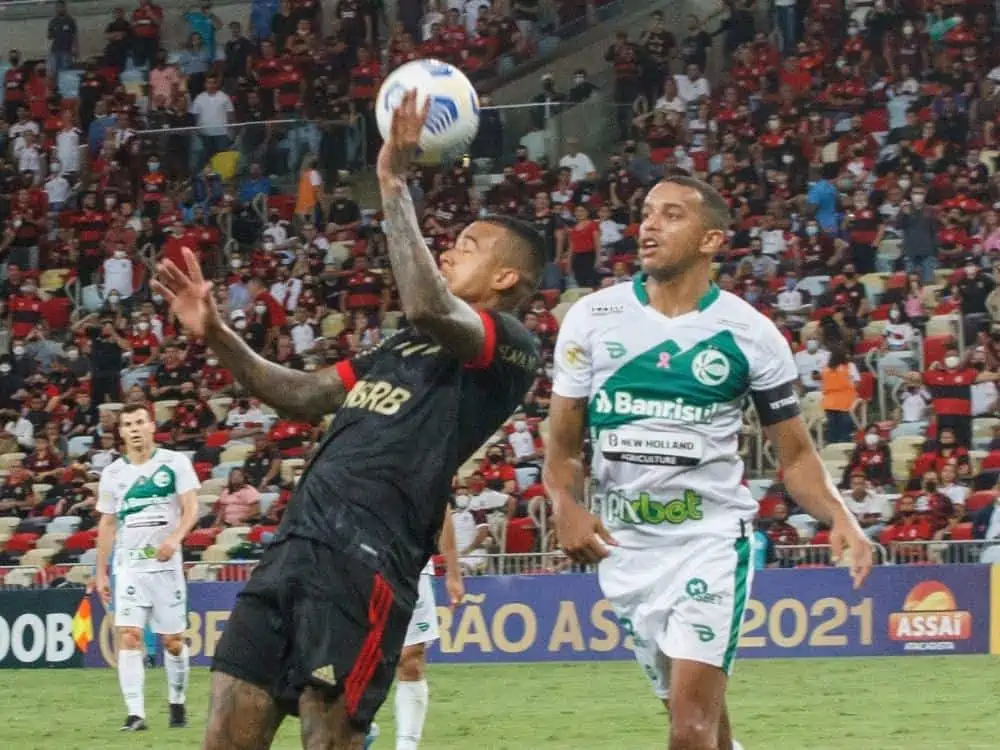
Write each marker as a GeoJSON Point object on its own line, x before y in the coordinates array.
{"type": "Point", "coordinates": [669, 383]}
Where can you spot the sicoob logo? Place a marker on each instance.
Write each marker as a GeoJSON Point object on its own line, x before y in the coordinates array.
{"type": "Point", "coordinates": [930, 620]}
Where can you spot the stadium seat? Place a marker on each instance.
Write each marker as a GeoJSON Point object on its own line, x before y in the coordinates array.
{"type": "Point", "coordinates": [220, 407]}
{"type": "Point", "coordinates": [78, 445]}
{"type": "Point", "coordinates": [163, 411]}
{"type": "Point", "coordinates": [37, 557]}
{"type": "Point", "coordinates": [53, 279]}
{"type": "Point", "coordinates": [80, 574]}
{"type": "Point", "coordinates": [9, 460]}
{"type": "Point", "coordinates": [22, 577]}
{"type": "Point", "coordinates": [941, 325]}
{"type": "Point", "coordinates": [215, 486]}
{"type": "Point", "coordinates": [519, 536]}
{"type": "Point", "coordinates": [236, 453]}
{"type": "Point", "coordinates": [333, 325]}
{"type": "Point", "coordinates": [961, 532]}
{"type": "Point", "coordinates": [113, 406]}
{"type": "Point", "coordinates": [991, 462]}
{"type": "Point", "coordinates": [8, 524]}
{"type": "Point", "coordinates": [201, 538]}
{"type": "Point", "coordinates": [572, 295]}
{"type": "Point", "coordinates": [560, 310]}
{"type": "Point", "coordinates": [232, 536]}
{"type": "Point", "coordinates": [21, 543]}
{"type": "Point", "coordinates": [221, 472]}
{"type": "Point", "coordinates": [216, 553]}
{"type": "Point", "coordinates": [766, 506]}
{"type": "Point", "coordinates": [979, 500]}
{"type": "Point", "coordinates": [935, 348]}
{"type": "Point", "coordinates": [874, 284]}
{"type": "Point", "coordinates": [41, 489]}
{"type": "Point", "coordinates": [391, 320]}
{"type": "Point", "coordinates": [288, 467]}
{"type": "Point", "coordinates": [67, 524]}
{"type": "Point", "coordinates": [267, 499]}
{"type": "Point", "coordinates": [80, 541]}
{"type": "Point", "coordinates": [837, 451]}
{"type": "Point", "coordinates": [875, 329]}
{"type": "Point", "coordinates": [89, 557]}
{"type": "Point", "coordinates": [52, 540]}
{"type": "Point", "coordinates": [202, 572]}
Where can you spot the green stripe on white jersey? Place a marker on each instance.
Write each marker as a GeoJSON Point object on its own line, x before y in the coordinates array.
{"type": "Point", "coordinates": [665, 399]}
{"type": "Point", "coordinates": [146, 500]}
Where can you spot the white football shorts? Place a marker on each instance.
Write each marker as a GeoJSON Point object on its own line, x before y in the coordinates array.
{"type": "Point", "coordinates": [424, 622]}
{"type": "Point", "coordinates": [157, 598]}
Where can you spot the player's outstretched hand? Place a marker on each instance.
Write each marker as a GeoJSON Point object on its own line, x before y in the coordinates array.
{"type": "Point", "coordinates": [456, 589]}
{"type": "Point", "coordinates": [581, 534]}
{"type": "Point", "coordinates": [846, 536]}
{"type": "Point", "coordinates": [188, 294]}
{"type": "Point", "coordinates": [401, 146]}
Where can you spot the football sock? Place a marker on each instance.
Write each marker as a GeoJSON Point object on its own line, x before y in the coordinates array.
{"type": "Point", "coordinates": [176, 668]}
{"type": "Point", "coordinates": [411, 710]}
{"type": "Point", "coordinates": [132, 678]}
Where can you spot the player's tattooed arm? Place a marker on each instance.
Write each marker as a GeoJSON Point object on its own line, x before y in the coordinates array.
{"type": "Point", "coordinates": [563, 474]}
{"type": "Point", "coordinates": [307, 396]}
{"type": "Point", "coordinates": [425, 298]}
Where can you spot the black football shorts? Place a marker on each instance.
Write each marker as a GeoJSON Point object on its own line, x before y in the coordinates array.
{"type": "Point", "coordinates": [312, 616]}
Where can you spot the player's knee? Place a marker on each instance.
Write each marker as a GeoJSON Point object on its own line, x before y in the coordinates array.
{"type": "Point", "coordinates": [130, 639]}
{"type": "Point", "coordinates": [693, 734]}
{"type": "Point", "coordinates": [411, 664]}
{"type": "Point", "coordinates": [174, 644]}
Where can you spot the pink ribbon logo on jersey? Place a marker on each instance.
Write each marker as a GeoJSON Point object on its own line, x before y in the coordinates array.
{"type": "Point", "coordinates": [664, 362]}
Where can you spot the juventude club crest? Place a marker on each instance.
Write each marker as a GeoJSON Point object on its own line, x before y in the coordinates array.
{"type": "Point", "coordinates": [161, 479]}
{"type": "Point", "coordinates": [710, 367]}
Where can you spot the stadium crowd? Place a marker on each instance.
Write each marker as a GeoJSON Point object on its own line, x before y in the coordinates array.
{"type": "Point", "coordinates": [857, 147]}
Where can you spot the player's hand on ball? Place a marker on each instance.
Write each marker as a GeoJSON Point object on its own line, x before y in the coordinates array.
{"type": "Point", "coordinates": [401, 146]}
{"type": "Point", "coordinates": [188, 294]}
{"type": "Point", "coordinates": [847, 537]}
{"type": "Point", "coordinates": [581, 534]}
{"type": "Point", "coordinates": [166, 550]}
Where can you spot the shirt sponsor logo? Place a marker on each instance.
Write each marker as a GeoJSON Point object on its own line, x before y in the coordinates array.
{"type": "Point", "coordinates": [574, 357]}
{"type": "Point", "coordinates": [377, 396]}
{"type": "Point", "coordinates": [931, 619]}
{"type": "Point", "coordinates": [606, 309]}
{"type": "Point", "coordinates": [782, 403]}
{"type": "Point", "coordinates": [615, 349]}
{"type": "Point", "coordinates": [625, 404]}
{"type": "Point", "coordinates": [710, 367]}
{"type": "Point", "coordinates": [644, 510]}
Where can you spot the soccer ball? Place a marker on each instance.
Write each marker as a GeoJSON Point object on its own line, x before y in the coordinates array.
{"type": "Point", "coordinates": [454, 114]}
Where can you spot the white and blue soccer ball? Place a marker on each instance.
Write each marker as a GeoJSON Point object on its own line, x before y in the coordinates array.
{"type": "Point", "coordinates": [454, 114]}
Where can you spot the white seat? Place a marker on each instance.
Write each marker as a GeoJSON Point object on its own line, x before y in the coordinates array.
{"type": "Point", "coordinates": [267, 499]}
{"type": "Point", "coordinates": [213, 486]}
{"type": "Point", "coordinates": [9, 460]}
{"type": "Point", "coordinates": [215, 554]}
{"type": "Point", "coordinates": [220, 407]}
{"type": "Point", "coordinates": [202, 572]}
{"type": "Point", "coordinates": [80, 574]}
{"type": "Point", "coordinates": [163, 411]}
{"type": "Point", "coordinates": [38, 558]}
{"type": "Point", "coordinates": [78, 445]}
{"type": "Point", "coordinates": [21, 577]}
{"type": "Point", "coordinates": [8, 523]}
{"type": "Point", "coordinates": [222, 471]}
{"type": "Point", "coordinates": [52, 540]}
{"type": "Point", "coordinates": [67, 524]}
{"type": "Point", "coordinates": [89, 557]}
{"type": "Point", "coordinates": [288, 467]}
{"type": "Point", "coordinates": [232, 536]}
{"type": "Point", "coordinates": [572, 295]}
{"type": "Point", "coordinates": [837, 451]}
{"type": "Point", "coordinates": [235, 453]}
{"type": "Point", "coordinates": [560, 310]}
{"type": "Point", "coordinates": [942, 325]}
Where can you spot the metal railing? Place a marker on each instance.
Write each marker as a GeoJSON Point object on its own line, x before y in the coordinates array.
{"type": "Point", "coordinates": [940, 552]}
{"type": "Point", "coordinates": [818, 555]}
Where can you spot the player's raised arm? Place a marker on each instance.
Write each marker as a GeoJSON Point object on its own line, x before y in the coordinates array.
{"type": "Point", "coordinates": [302, 395]}
{"type": "Point", "coordinates": [427, 303]}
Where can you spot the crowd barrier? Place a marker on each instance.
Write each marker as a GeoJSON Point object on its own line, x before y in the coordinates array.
{"type": "Point", "coordinates": [561, 616]}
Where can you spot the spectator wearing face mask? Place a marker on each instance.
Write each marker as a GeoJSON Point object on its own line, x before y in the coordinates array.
{"type": "Point", "coordinates": [24, 366]}
{"type": "Point", "coordinates": [24, 309]}
{"type": "Point", "coordinates": [906, 527]}
{"type": "Point", "coordinates": [919, 227]}
{"type": "Point", "coordinates": [496, 472]}
{"type": "Point", "coordinates": [18, 427]}
{"type": "Point", "coordinates": [811, 361]}
{"type": "Point", "coordinates": [489, 506]}
{"type": "Point", "coordinates": [191, 421]}
{"type": "Point", "coordinates": [57, 188]}
{"type": "Point", "coordinates": [950, 386]}
{"type": "Point", "coordinates": [792, 301]}
{"type": "Point", "coordinates": [872, 458]}
{"type": "Point", "coordinates": [117, 275]}
{"type": "Point", "coordinates": [582, 89]}
{"type": "Point", "coordinates": [948, 451]}
{"type": "Point", "coordinates": [971, 291]}
{"type": "Point", "coordinates": [472, 537]}
{"type": "Point", "coordinates": [870, 507]}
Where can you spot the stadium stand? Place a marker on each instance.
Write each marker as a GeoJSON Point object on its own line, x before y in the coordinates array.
{"type": "Point", "coordinates": [856, 144]}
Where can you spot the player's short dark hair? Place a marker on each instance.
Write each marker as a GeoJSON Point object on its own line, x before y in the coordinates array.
{"type": "Point", "coordinates": [527, 252]}
{"type": "Point", "coordinates": [715, 210]}
{"type": "Point", "coordinates": [135, 407]}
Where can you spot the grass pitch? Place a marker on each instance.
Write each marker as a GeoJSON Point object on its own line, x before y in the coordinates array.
{"type": "Point", "coordinates": [911, 703]}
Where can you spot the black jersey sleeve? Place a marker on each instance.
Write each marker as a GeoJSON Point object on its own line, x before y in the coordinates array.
{"type": "Point", "coordinates": [509, 354]}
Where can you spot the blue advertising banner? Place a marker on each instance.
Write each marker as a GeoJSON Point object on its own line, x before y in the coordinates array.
{"type": "Point", "coordinates": [792, 613]}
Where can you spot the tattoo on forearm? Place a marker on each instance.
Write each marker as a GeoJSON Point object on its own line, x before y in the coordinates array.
{"type": "Point", "coordinates": [424, 296]}
{"type": "Point", "coordinates": [302, 395]}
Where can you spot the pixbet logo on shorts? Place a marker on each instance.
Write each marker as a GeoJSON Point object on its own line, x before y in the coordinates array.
{"type": "Point", "coordinates": [930, 620]}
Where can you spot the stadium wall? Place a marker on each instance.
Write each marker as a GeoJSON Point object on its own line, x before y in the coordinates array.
{"type": "Point", "coordinates": [901, 610]}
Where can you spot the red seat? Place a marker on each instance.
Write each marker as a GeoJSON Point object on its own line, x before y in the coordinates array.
{"type": "Point", "coordinates": [821, 537]}
{"type": "Point", "coordinates": [283, 204]}
{"type": "Point", "coordinates": [21, 543]}
{"type": "Point", "coordinates": [217, 439]}
{"type": "Point", "coordinates": [881, 312]}
{"type": "Point", "coordinates": [992, 461]}
{"type": "Point", "coordinates": [201, 538]}
{"type": "Point", "coordinates": [57, 312]}
{"type": "Point", "coordinates": [896, 281]}
{"type": "Point", "coordinates": [936, 346]}
{"type": "Point", "coordinates": [203, 469]}
{"type": "Point", "coordinates": [866, 386]}
{"type": "Point", "coordinates": [79, 541]}
{"type": "Point", "coordinates": [961, 532]}
{"type": "Point", "coordinates": [163, 437]}
{"type": "Point", "coordinates": [551, 297]}
{"type": "Point", "coordinates": [866, 345]}
{"type": "Point", "coordinates": [439, 565]}
{"type": "Point", "coordinates": [946, 307]}
{"type": "Point", "coordinates": [979, 500]}
{"type": "Point", "coordinates": [256, 534]}
{"type": "Point", "coordinates": [521, 534]}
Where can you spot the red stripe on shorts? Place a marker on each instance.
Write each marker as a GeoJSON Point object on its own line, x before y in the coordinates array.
{"type": "Point", "coordinates": [370, 654]}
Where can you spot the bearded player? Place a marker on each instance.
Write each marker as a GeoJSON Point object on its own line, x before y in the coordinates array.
{"type": "Point", "coordinates": [319, 628]}
{"type": "Point", "coordinates": [659, 370]}
{"type": "Point", "coordinates": [148, 500]}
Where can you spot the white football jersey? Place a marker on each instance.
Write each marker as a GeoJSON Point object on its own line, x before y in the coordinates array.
{"type": "Point", "coordinates": [146, 500]}
{"type": "Point", "coordinates": [665, 400]}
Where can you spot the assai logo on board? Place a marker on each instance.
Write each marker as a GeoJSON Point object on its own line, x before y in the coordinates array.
{"type": "Point", "coordinates": [931, 619]}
